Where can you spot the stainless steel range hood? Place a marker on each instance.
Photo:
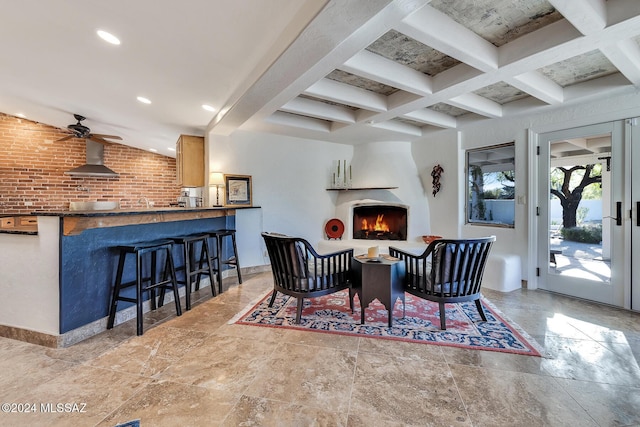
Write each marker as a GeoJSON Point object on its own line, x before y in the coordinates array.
{"type": "Point", "coordinates": [95, 163]}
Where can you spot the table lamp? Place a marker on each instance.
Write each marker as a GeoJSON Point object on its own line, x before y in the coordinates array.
{"type": "Point", "coordinates": [216, 179]}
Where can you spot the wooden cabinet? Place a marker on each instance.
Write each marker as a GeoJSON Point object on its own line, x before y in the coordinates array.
{"type": "Point", "coordinates": [19, 224]}
{"type": "Point", "coordinates": [190, 161]}
{"type": "Point", "coordinates": [7, 222]}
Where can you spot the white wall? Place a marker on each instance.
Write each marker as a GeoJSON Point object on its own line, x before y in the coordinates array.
{"type": "Point", "coordinates": [444, 208]}
{"type": "Point", "coordinates": [290, 177]}
{"type": "Point", "coordinates": [33, 304]}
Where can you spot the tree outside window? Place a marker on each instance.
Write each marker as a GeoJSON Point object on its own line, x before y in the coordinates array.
{"type": "Point", "coordinates": [491, 185]}
{"type": "Point", "coordinates": [570, 184]}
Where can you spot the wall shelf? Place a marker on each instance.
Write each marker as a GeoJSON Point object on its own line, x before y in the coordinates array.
{"type": "Point", "coordinates": [361, 188]}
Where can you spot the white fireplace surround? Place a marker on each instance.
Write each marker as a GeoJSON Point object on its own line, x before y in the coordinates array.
{"type": "Point", "coordinates": [380, 165]}
{"type": "Point", "coordinates": [345, 214]}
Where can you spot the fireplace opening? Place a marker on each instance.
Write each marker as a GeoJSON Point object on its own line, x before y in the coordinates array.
{"type": "Point", "coordinates": [380, 222]}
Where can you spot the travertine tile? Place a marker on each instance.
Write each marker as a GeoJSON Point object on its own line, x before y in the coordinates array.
{"type": "Point", "coordinates": [150, 353]}
{"type": "Point", "coordinates": [503, 398]}
{"type": "Point", "coordinates": [321, 339]}
{"type": "Point", "coordinates": [23, 366]}
{"type": "Point", "coordinates": [222, 363]}
{"type": "Point", "coordinates": [91, 394]}
{"type": "Point", "coordinates": [590, 361]}
{"type": "Point", "coordinates": [207, 317]}
{"type": "Point", "coordinates": [494, 360]}
{"type": "Point", "coordinates": [427, 353]}
{"type": "Point", "coordinates": [253, 332]}
{"type": "Point", "coordinates": [608, 405]}
{"type": "Point", "coordinates": [170, 404]}
{"type": "Point", "coordinates": [390, 390]}
{"type": "Point", "coordinates": [306, 375]}
{"type": "Point", "coordinates": [256, 411]}
{"type": "Point", "coordinates": [93, 347]}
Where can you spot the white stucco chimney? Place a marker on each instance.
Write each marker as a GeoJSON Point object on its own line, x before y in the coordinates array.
{"type": "Point", "coordinates": [386, 164]}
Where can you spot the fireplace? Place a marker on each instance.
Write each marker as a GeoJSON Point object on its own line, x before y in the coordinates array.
{"type": "Point", "coordinates": [380, 222]}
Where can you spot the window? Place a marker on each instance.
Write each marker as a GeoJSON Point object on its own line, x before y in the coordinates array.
{"type": "Point", "coordinates": [491, 186]}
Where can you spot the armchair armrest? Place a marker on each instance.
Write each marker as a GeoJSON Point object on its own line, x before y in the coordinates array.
{"type": "Point", "coordinates": [327, 264]}
{"type": "Point", "coordinates": [414, 264]}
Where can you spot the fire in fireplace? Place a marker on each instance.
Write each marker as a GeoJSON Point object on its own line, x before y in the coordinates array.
{"type": "Point", "coordinates": [380, 222]}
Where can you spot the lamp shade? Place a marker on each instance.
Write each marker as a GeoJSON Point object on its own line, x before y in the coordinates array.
{"type": "Point", "coordinates": [216, 178]}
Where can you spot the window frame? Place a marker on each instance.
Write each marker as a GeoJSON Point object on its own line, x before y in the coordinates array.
{"type": "Point", "coordinates": [468, 189]}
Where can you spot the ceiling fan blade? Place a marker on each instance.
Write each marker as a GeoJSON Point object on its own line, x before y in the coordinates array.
{"type": "Point", "coordinates": [96, 138]}
{"type": "Point", "coordinates": [65, 138]}
{"type": "Point", "coordinates": [99, 135]}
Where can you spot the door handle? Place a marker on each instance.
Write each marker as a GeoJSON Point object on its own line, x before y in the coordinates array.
{"type": "Point", "coordinates": [638, 214]}
{"type": "Point", "coordinates": [618, 216]}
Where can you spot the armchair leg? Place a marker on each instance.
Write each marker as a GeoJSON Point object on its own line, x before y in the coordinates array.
{"type": "Point", "coordinates": [443, 319]}
{"type": "Point", "coordinates": [299, 310]}
{"type": "Point", "coordinates": [480, 310]}
{"type": "Point", "coordinates": [273, 298]}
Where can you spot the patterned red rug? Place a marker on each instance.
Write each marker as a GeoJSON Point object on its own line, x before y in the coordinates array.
{"type": "Point", "coordinates": [421, 324]}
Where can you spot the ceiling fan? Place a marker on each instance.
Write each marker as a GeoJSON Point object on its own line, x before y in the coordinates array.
{"type": "Point", "coordinates": [78, 130]}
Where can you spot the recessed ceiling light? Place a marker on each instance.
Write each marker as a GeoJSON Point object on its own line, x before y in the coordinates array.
{"type": "Point", "coordinates": [153, 149]}
{"type": "Point", "coordinates": [208, 107]}
{"type": "Point", "coordinates": [21, 115]}
{"type": "Point", "coordinates": [108, 37]}
{"type": "Point", "coordinates": [171, 149]}
{"type": "Point", "coordinates": [144, 100]}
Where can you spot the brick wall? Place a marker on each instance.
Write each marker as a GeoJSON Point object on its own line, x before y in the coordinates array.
{"type": "Point", "coordinates": [32, 166]}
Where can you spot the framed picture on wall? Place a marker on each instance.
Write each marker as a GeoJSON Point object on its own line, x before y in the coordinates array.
{"type": "Point", "coordinates": [238, 190]}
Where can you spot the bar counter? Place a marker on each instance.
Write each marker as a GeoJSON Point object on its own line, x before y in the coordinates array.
{"type": "Point", "coordinates": [57, 283]}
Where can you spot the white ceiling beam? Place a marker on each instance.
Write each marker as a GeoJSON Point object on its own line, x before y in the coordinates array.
{"type": "Point", "coordinates": [458, 74]}
{"type": "Point", "coordinates": [320, 110]}
{"type": "Point", "coordinates": [543, 47]}
{"type": "Point", "coordinates": [400, 98]}
{"type": "Point", "coordinates": [398, 126]}
{"type": "Point", "coordinates": [435, 29]}
{"type": "Point", "coordinates": [625, 56]}
{"type": "Point", "coordinates": [432, 117]}
{"type": "Point", "coordinates": [382, 70]}
{"type": "Point", "coordinates": [539, 86]}
{"type": "Point", "coordinates": [340, 29]}
{"type": "Point", "coordinates": [343, 93]}
{"type": "Point", "coordinates": [592, 89]}
{"type": "Point", "coordinates": [588, 16]}
{"type": "Point", "coordinates": [560, 147]}
{"type": "Point", "coordinates": [477, 104]}
{"type": "Point", "coordinates": [515, 63]}
{"type": "Point", "coordinates": [309, 123]}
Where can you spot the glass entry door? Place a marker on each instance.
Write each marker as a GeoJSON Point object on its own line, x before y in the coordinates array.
{"type": "Point", "coordinates": [632, 142]}
{"type": "Point", "coordinates": [581, 209]}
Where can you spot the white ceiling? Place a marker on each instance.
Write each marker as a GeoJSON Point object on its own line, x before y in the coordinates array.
{"type": "Point", "coordinates": [348, 71]}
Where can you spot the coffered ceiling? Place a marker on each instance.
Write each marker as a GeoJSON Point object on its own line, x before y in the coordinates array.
{"type": "Point", "coordinates": [348, 71]}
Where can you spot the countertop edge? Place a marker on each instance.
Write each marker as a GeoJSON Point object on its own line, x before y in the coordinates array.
{"type": "Point", "coordinates": [121, 212]}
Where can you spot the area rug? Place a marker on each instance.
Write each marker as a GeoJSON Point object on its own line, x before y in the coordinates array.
{"type": "Point", "coordinates": [421, 324]}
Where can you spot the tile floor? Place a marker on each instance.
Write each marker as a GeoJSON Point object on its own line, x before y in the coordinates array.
{"type": "Point", "coordinates": [197, 370]}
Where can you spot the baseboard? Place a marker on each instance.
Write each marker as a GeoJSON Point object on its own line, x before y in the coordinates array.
{"type": "Point", "coordinates": [32, 337]}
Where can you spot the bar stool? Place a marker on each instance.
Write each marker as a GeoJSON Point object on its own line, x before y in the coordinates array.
{"type": "Point", "coordinates": [217, 261]}
{"type": "Point", "coordinates": [168, 280]}
{"type": "Point", "coordinates": [195, 268]}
